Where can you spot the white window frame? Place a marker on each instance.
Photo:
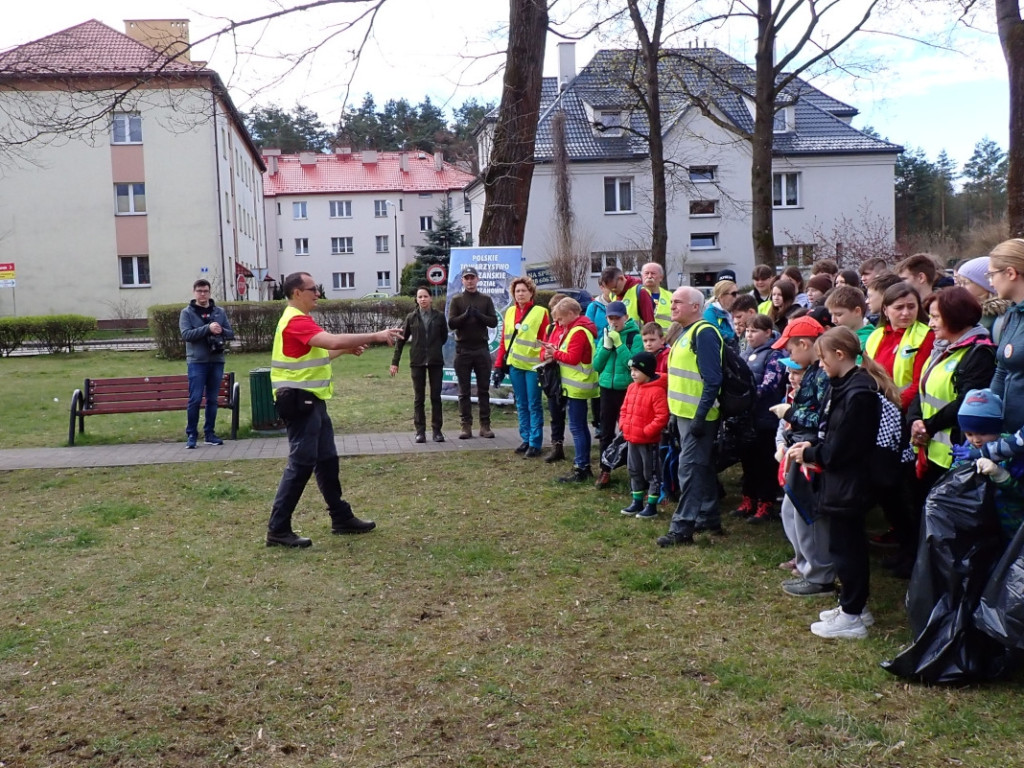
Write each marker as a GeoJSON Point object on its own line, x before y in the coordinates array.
{"type": "Point", "coordinates": [382, 240]}
{"type": "Point", "coordinates": [126, 121]}
{"type": "Point", "coordinates": [612, 120]}
{"type": "Point", "coordinates": [344, 206]}
{"type": "Point", "coordinates": [714, 213]}
{"type": "Point", "coordinates": [426, 223]}
{"type": "Point", "coordinates": [300, 210]}
{"type": "Point", "coordinates": [342, 245]}
{"type": "Point", "coordinates": [784, 182]}
{"type": "Point", "coordinates": [618, 182]}
{"type": "Point", "coordinates": [135, 262]}
{"type": "Point", "coordinates": [302, 246]}
{"type": "Point", "coordinates": [384, 278]}
{"type": "Point", "coordinates": [712, 236]}
{"type": "Point", "coordinates": [782, 120]}
{"type": "Point", "coordinates": [380, 209]}
{"type": "Point", "coordinates": [343, 281]}
{"type": "Point", "coordinates": [133, 190]}
{"type": "Point", "coordinates": [703, 174]}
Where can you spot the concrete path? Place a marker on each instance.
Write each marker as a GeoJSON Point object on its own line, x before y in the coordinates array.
{"type": "Point", "coordinates": [235, 450]}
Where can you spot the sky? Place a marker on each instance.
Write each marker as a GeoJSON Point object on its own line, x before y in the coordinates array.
{"type": "Point", "coordinates": [948, 95]}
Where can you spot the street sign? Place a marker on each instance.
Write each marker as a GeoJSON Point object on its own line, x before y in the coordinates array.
{"type": "Point", "coordinates": [541, 274]}
{"type": "Point", "coordinates": [7, 274]}
{"type": "Point", "coordinates": [240, 285]}
{"type": "Point", "coordinates": [436, 274]}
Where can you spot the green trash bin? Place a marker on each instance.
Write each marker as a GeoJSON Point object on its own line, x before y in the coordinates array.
{"type": "Point", "coordinates": [261, 396]}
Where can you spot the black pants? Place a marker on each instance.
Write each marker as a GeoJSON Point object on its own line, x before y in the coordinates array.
{"type": "Point", "coordinates": [470, 363]}
{"type": "Point", "coordinates": [848, 545]}
{"type": "Point", "coordinates": [420, 374]}
{"type": "Point", "coordinates": [611, 404]}
{"type": "Point", "coordinates": [760, 472]}
{"type": "Point", "coordinates": [901, 512]}
{"type": "Point", "coordinates": [556, 407]}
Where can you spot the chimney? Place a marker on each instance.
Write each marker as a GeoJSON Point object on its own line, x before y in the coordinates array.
{"type": "Point", "coordinates": [270, 156]}
{"type": "Point", "coordinates": [166, 36]}
{"type": "Point", "coordinates": [566, 64]}
{"type": "Point", "coordinates": [403, 162]}
{"type": "Point", "coordinates": [343, 151]}
{"type": "Point", "coordinates": [369, 157]}
{"type": "Point", "coordinates": [438, 161]}
{"type": "Point", "coordinates": [307, 158]}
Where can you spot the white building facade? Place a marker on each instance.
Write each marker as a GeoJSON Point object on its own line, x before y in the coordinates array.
{"type": "Point", "coordinates": [353, 219]}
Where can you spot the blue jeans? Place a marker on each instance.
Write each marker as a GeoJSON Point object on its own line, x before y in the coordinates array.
{"type": "Point", "coordinates": [529, 406]}
{"type": "Point", "coordinates": [580, 429]}
{"type": "Point", "coordinates": [203, 379]}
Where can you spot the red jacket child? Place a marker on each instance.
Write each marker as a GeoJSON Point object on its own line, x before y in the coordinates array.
{"type": "Point", "coordinates": [644, 412]}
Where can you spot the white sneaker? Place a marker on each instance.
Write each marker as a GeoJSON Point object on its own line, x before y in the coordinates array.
{"type": "Point", "coordinates": [830, 614]}
{"type": "Point", "coordinates": [841, 625]}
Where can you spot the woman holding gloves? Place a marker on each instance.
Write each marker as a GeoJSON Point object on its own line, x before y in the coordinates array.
{"type": "Point", "coordinates": [619, 342]}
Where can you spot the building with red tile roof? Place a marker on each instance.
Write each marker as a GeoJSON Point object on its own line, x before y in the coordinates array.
{"type": "Point", "coordinates": [353, 219]}
{"type": "Point", "coordinates": [159, 181]}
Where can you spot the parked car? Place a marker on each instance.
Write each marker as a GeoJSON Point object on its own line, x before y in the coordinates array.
{"type": "Point", "coordinates": [377, 295]}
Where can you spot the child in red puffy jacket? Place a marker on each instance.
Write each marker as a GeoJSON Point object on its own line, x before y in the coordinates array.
{"type": "Point", "coordinates": [643, 416]}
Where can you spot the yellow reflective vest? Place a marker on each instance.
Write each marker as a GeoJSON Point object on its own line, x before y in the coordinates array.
{"type": "Point", "coordinates": [525, 352]}
{"type": "Point", "coordinates": [765, 308]}
{"type": "Point", "coordinates": [662, 309]}
{"type": "Point", "coordinates": [685, 384]}
{"type": "Point", "coordinates": [579, 381]}
{"type": "Point", "coordinates": [906, 352]}
{"type": "Point", "coordinates": [311, 372]}
{"type": "Point", "coordinates": [631, 298]}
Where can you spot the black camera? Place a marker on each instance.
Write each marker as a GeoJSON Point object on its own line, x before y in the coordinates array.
{"type": "Point", "coordinates": [216, 343]}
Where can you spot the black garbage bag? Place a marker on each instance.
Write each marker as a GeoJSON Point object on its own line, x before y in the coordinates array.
{"type": "Point", "coordinates": [735, 434]}
{"type": "Point", "coordinates": [961, 542]}
{"type": "Point", "coordinates": [1001, 612]}
{"type": "Point", "coordinates": [614, 456]}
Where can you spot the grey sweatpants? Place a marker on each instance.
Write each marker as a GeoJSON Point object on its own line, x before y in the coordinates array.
{"type": "Point", "coordinates": [644, 465]}
{"type": "Point", "coordinates": [810, 544]}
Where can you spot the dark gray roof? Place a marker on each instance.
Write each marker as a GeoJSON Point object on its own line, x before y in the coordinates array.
{"type": "Point", "coordinates": [708, 72]}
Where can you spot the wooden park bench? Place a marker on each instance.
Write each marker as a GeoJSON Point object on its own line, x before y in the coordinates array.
{"type": "Point", "coordinates": [144, 394]}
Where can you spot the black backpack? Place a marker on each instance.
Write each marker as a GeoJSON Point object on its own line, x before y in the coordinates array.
{"type": "Point", "coordinates": [738, 387]}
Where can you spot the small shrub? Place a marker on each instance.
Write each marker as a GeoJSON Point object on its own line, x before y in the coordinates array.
{"type": "Point", "coordinates": [60, 333]}
{"type": "Point", "coordinates": [254, 324]}
{"type": "Point", "coordinates": [14, 331]}
{"type": "Point", "coordinates": [163, 324]}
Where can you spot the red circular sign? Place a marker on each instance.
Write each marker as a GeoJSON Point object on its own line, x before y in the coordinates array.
{"type": "Point", "coordinates": [436, 274]}
{"type": "Point", "coordinates": [240, 285]}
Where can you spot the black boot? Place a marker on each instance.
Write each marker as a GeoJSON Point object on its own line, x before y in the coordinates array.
{"type": "Point", "coordinates": [555, 454]}
{"type": "Point", "coordinates": [636, 506]}
{"type": "Point", "coordinates": [578, 475]}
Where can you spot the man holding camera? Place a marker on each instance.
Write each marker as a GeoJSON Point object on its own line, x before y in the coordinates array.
{"type": "Point", "coordinates": [205, 329]}
{"type": "Point", "coordinates": [470, 314]}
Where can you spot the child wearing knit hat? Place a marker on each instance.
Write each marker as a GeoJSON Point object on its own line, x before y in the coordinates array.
{"type": "Point", "coordinates": [643, 417]}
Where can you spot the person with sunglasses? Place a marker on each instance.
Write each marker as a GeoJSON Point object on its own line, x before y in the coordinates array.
{"type": "Point", "coordinates": [718, 311]}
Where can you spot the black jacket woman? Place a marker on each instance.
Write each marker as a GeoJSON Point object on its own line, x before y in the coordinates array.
{"type": "Point", "coordinates": [425, 331]}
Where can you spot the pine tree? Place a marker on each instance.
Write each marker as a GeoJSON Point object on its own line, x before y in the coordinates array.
{"type": "Point", "coordinates": [445, 234]}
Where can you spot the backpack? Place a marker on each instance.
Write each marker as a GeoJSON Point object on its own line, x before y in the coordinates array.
{"type": "Point", "coordinates": [738, 386]}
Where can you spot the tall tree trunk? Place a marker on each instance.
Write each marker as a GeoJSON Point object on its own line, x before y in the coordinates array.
{"type": "Point", "coordinates": [510, 170]}
{"type": "Point", "coordinates": [762, 225]}
{"type": "Point", "coordinates": [1011, 35]}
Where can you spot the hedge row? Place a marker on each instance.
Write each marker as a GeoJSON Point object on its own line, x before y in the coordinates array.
{"type": "Point", "coordinates": [254, 323]}
{"type": "Point", "coordinates": [58, 333]}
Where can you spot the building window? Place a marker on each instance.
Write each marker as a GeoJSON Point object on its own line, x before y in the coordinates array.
{"type": "Point", "coordinates": [384, 279]}
{"type": "Point", "coordinates": [703, 241]}
{"type": "Point", "coordinates": [299, 210]}
{"type": "Point", "coordinates": [278, 209]}
{"type": "Point", "coordinates": [467, 205]}
{"type": "Point", "coordinates": [302, 246]}
{"type": "Point", "coordinates": [280, 244]}
{"type": "Point", "coordinates": [380, 209]}
{"type": "Point", "coordinates": [401, 240]}
{"type": "Point", "coordinates": [703, 173]}
{"type": "Point", "coordinates": [134, 271]}
{"type": "Point", "coordinates": [786, 190]}
{"type": "Point", "coordinates": [130, 199]}
{"type": "Point", "coordinates": [343, 280]}
{"type": "Point", "coordinates": [227, 208]}
{"type": "Point", "coordinates": [627, 261]}
{"type": "Point", "coordinates": [341, 245]}
{"type": "Point", "coordinates": [703, 208]}
{"type": "Point", "coordinates": [618, 194]}
{"type": "Point", "coordinates": [782, 119]}
{"type": "Point", "coordinates": [127, 128]}
{"type": "Point", "coordinates": [426, 195]}
{"type": "Point", "coordinates": [796, 255]}
{"type": "Point", "coordinates": [382, 243]}
{"type": "Point", "coordinates": [341, 209]}
{"type": "Point", "coordinates": [611, 122]}
{"type": "Point", "coordinates": [426, 223]}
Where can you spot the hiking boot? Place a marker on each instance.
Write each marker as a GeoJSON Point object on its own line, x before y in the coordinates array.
{"type": "Point", "coordinates": [485, 430]}
{"type": "Point", "coordinates": [634, 508]}
{"type": "Point", "coordinates": [421, 437]}
{"type": "Point", "coordinates": [190, 442]}
{"type": "Point", "coordinates": [604, 479]}
{"type": "Point", "coordinates": [746, 507]}
{"type": "Point", "coordinates": [467, 432]}
{"type": "Point", "coordinates": [648, 513]}
{"type": "Point", "coordinates": [804, 588]}
{"type": "Point", "coordinates": [352, 525]}
{"type": "Point", "coordinates": [287, 539]}
{"type": "Point", "coordinates": [578, 475]}
{"type": "Point", "coordinates": [555, 454]}
{"type": "Point", "coordinates": [438, 437]}
{"type": "Point", "coordinates": [865, 616]}
{"type": "Point", "coordinates": [765, 513]}
{"type": "Point", "coordinates": [841, 625]}
{"type": "Point", "coordinates": [522, 448]}
{"type": "Point", "coordinates": [674, 540]}
{"type": "Point", "coordinates": [531, 453]}
{"type": "Point", "coordinates": [212, 439]}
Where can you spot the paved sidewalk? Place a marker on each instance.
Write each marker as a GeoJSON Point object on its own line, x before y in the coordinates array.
{"type": "Point", "coordinates": [234, 450]}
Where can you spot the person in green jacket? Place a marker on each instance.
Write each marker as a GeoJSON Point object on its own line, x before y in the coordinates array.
{"type": "Point", "coordinates": [619, 342]}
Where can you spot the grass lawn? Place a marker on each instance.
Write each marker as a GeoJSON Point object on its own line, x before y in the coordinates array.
{"type": "Point", "coordinates": [494, 619]}
{"type": "Point", "coordinates": [38, 398]}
